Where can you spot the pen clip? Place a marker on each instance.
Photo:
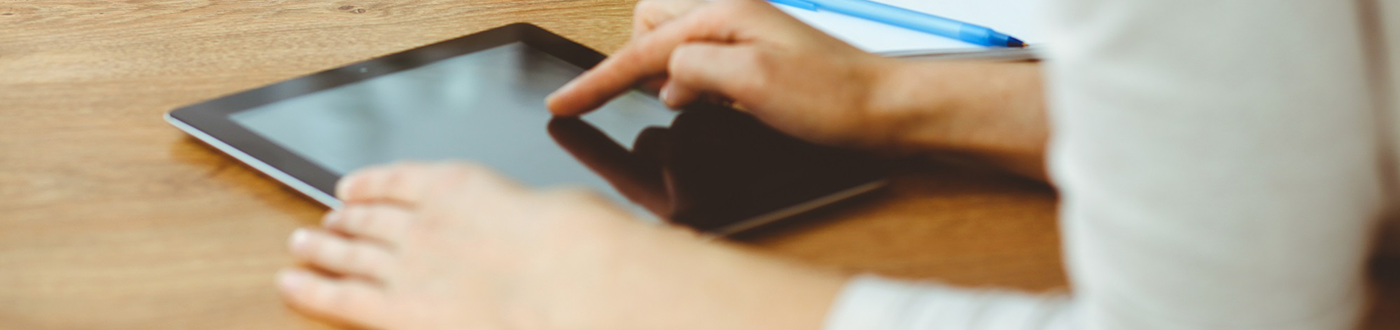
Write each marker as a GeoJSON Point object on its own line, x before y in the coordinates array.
{"type": "Point", "coordinates": [797, 4]}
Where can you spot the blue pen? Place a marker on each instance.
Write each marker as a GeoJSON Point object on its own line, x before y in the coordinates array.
{"type": "Point", "coordinates": [909, 19]}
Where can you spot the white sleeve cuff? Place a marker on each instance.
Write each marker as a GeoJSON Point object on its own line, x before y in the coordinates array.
{"type": "Point", "coordinates": [873, 303]}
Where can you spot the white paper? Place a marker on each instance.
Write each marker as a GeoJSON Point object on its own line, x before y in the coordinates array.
{"type": "Point", "coordinates": [1017, 18]}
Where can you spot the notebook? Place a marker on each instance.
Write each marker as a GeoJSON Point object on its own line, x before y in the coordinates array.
{"type": "Point", "coordinates": [1018, 18]}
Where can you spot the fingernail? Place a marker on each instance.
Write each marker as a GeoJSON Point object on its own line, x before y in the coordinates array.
{"type": "Point", "coordinates": [342, 187]}
{"type": "Point", "coordinates": [290, 279]}
{"type": "Point", "coordinates": [299, 237]}
{"type": "Point", "coordinates": [549, 99]}
{"type": "Point", "coordinates": [665, 94]}
{"type": "Point", "coordinates": [331, 218]}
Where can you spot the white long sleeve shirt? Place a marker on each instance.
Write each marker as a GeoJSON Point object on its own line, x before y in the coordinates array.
{"type": "Point", "coordinates": [1222, 165]}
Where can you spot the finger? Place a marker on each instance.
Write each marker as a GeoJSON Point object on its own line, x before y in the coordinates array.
{"type": "Point", "coordinates": [644, 58]}
{"type": "Point", "coordinates": [340, 255]}
{"type": "Point", "coordinates": [381, 222]}
{"type": "Point", "coordinates": [404, 182]}
{"type": "Point", "coordinates": [409, 183]}
{"type": "Point", "coordinates": [652, 13]}
{"type": "Point", "coordinates": [733, 71]}
{"type": "Point", "coordinates": [676, 95]}
{"type": "Point", "coordinates": [346, 299]}
{"type": "Point", "coordinates": [654, 84]}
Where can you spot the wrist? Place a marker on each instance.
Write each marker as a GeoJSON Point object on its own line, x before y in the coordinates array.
{"type": "Point", "coordinates": [984, 109]}
{"type": "Point", "coordinates": [903, 102]}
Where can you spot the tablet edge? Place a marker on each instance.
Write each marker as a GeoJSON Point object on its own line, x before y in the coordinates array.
{"type": "Point", "coordinates": [790, 211]}
{"type": "Point", "coordinates": [276, 174]}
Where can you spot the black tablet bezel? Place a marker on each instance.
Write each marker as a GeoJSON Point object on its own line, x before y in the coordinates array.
{"type": "Point", "coordinates": [210, 121]}
{"type": "Point", "coordinates": [212, 117]}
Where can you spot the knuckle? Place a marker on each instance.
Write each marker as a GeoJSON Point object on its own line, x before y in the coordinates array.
{"type": "Point", "coordinates": [480, 177]}
{"type": "Point", "coordinates": [370, 220]}
{"type": "Point", "coordinates": [686, 53]}
{"type": "Point", "coordinates": [714, 19]}
{"type": "Point", "coordinates": [371, 263]}
{"type": "Point", "coordinates": [353, 219]}
{"type": "Point", "coordinates": [362, 225]}
{"type": "Point", "coordinates": [322, 251]}
{"type": "Point", "coordinates": [395, 179]}
{"type": "Point", "coordinates": [637, 49]}
{"type": "Point", "coordinates": [686, 59]}
{"type": "Point", "coordinates": [360, 182]}
{"type": "Point", "coordinates": [353, 258]}
{"type": "Point", "coordinates": [679, 58]}
{"type": "Point", "coordinates": [330, 297]}
{"type": "Point", "coordinates": [395, 176]}
{"type": "Point", "coordinates": [389, 223]}
{"type": "Point", "coordinates": [311, 248]}
{"type": "Point", "coordinates": [308, 296]}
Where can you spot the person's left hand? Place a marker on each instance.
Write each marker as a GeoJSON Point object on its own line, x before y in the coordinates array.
{"type": "Point", "coordinates": [455, 246]}
{"type": "Point", "coordinates": [445, 245]}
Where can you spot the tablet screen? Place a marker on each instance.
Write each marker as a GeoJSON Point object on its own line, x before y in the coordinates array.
{"type": "Point", "coordinates": [485, 106]}
{"type": "Point", "coordinates": [480, 98]}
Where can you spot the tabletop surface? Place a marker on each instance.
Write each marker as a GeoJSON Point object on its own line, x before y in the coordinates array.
{"type": "Point", "coordinates": [112, 219]}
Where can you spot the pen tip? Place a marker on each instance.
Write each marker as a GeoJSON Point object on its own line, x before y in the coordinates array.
{"type": "Point", "coordinates": [1013, 42]}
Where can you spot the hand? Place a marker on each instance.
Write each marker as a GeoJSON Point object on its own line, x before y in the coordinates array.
{"type": "Point", "coordinates": [807, 84]}
{"type": "Point", "coordinates": [446, 246]}
{"type": "Point", "coordinates": [791, 76]}
{"type": "Point", "coordinates": [453, 246]}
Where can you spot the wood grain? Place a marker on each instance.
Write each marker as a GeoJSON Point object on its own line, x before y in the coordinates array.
{"type": "Point", "coordinates": [111, 219]}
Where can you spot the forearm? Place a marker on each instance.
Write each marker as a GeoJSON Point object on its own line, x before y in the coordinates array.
{"type": "Point", "coordinates": [716, 285]}
{"type": "Point", "coordinates": [992, 112]}
{"type": "Point", "coordinates": [723, 286]}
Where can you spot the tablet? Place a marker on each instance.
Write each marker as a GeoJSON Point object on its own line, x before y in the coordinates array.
{"type": "Point", "coordinates": [480, 98]}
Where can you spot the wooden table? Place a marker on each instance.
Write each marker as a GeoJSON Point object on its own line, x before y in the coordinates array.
{"type": "Point", "coordinates": [112, 219]}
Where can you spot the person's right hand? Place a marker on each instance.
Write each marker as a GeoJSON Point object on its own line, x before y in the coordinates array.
{"type": "Point", "coordinates": [789, 75]}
